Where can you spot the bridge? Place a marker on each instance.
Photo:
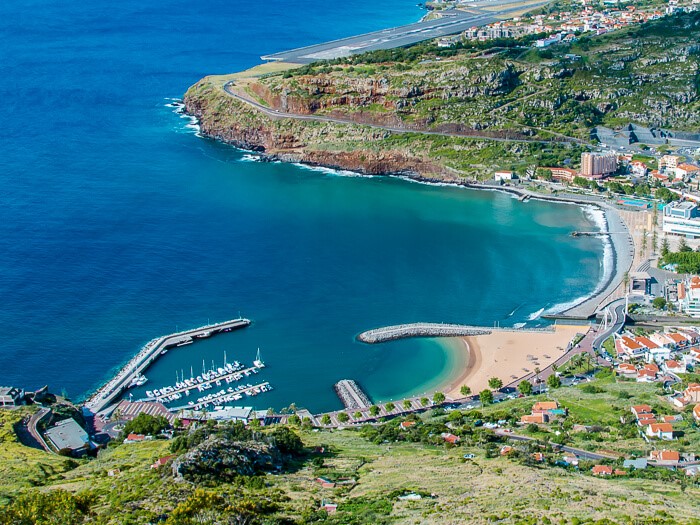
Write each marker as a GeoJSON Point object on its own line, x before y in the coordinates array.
{"type": "Point", "coordinates": [403, 331]}
{"type": "Point", "coordinates": [113, 389]}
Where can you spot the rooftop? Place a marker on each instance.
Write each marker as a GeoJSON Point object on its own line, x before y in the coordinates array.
{"type": "Point", "coordinates": [67, 434]}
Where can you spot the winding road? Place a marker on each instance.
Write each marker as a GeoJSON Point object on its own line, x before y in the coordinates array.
{"type": "Point", "coordinates": [228, 88]}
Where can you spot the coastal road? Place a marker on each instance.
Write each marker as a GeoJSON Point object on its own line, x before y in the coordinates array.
{"type": "Point", "coordinates": [450, 23]}
{"type": "Point", "coordinates": [229, 89]}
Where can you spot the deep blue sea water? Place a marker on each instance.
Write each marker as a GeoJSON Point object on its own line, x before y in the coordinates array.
{"type": "Point", "coordinates": [118, 224]}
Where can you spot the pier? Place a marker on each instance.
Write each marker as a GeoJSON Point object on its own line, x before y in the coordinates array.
{"type": "Point", "coordinates": [403, 331]}
{"type": "Point", "coordinates": [234, 372]}
{"type": "Point", "coordinates": [110, 392]}
{"type": "Point", "coordinates": [224, 396]}
{"type": "Point", "coordinates": [352, 396]}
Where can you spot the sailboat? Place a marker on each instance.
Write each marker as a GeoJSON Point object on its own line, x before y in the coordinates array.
{"type": "Point", "coordinates": [258, 361]}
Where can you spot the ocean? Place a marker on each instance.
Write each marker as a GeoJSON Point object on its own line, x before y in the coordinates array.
{"type": "Point", "coordinates": [119, 224]}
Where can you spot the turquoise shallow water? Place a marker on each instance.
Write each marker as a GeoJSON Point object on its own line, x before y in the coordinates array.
{"type": "Point", "coordinates": [118, 224]}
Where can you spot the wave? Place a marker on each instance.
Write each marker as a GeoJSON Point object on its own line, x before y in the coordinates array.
{"type": "Point", "coordinates": [332, 171]}
{"type": "Point", "coordinates": [535, 315]}
{"type": "Point", "coordinates": [178, 108]}
{"type": "Point", "coordinates": [248, 157]}
{"type": "Point", "coordinates": [519, 325]}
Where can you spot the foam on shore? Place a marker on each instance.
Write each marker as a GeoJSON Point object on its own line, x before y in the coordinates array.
{"type": "Point", "coordinates": [332, 171]}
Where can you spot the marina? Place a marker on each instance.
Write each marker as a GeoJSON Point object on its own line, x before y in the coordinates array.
{"type": "Point", "coordinates": [226, 396]}
{"type": "Point", "coordinates": [229, 373]}
{"type": "Point", "coordinates": [131, 374]}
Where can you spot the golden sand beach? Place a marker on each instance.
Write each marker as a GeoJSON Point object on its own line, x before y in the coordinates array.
{"type": "Point", "coordinates": [510, 355]}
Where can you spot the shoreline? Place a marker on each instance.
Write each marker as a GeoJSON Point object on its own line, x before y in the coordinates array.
{"type": "Point", "coordinates": [509, 356]}
{"type": "Point", "coordinates": [582, 308]}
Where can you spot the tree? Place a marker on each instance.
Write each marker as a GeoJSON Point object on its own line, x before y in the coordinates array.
{"type": "Point", "coordinates": [406, 404]}
{"type": "Point", "coordinates": [495, 383]}
{"type": "Point", "coordinates": [424, 401]}
{"type": "Point", "coordinates": [438, 398]}
{"type": "Point", "coordinates": [486, 397]}
{"type": "Point", "coordinates": [326, 419]}
{"type": "Point", "coordinates": [525, 387]}
{"type": "Point", "coordinates": [374, 410]}
{"type": "Point", "coordinates": [389, 407]}
{"type": "Point", "coordinates": [465, 390]}
{"type": "Point", "coordinates": [543, 174]}
{"type": "Point", "coordinates": [683, 246]}
{"type": "Point", "coordinates": [343, 417]}
{"type": "Point", "coordinates": [287, 440]}
{"type": "Point", "coordinates": [357, 415]}
{"type": "Point", "coordinates": [146, 424]}
{"type": "Point", "coordinates": [659, 303]}
{"type": "Point", "coordinates": [294, 420]}
{"type": "Point", "coordinates": [665, 250]}
{"type": "Point", "coordinates": [255, 423]}
{"type": "Point", "coordinates": [553, 381]}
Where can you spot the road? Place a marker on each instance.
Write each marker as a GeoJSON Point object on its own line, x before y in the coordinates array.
{"type": "Point", "coordinates": [277, 114]}
{"type": "Point", "coordinates": [451, 23]}
{"type": "Point", "coordinates": [617, 308]}
{"type": "Point", "coordinates": [584, 454]}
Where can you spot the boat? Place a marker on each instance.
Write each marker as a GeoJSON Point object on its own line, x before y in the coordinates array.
{"type": "Point", "coordinates": [187, 341]}
{"type": "Point", "coordinates": [203, 335]}
{"type": "Point", "coordinates": [258, 361]}
{"type": "Point", "coordinates": [141, 380]}
{"type": "Point", "coordinates": [164, 351]}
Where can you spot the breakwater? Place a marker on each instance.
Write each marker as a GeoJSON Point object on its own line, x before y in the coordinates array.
{"type": "Point", "coordinates": [110, 392]}
{"type": "Point", "coordinates": [403, 331]}
{"type": "Point", "coordinates": [351, 395]}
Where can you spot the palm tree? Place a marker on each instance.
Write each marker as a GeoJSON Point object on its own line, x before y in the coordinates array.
{"type": "Point", "coordinates": [407, 404]}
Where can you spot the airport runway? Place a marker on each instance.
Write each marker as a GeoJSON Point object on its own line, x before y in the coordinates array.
{"type": "Point", "coordinates": [451, 23]}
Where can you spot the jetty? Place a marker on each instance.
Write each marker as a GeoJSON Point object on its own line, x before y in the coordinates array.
{"type": "Point", "coordinates": [403, 331]}
{"type": "Point", "coordinates": [225, 396]}
{"type": "Point", "coordinates": [113, 389]}
{"type": "Point", "coordinates": [351, 395]}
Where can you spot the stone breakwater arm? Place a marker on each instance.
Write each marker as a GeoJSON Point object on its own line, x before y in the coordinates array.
{"type": "Point", "coordinates": [402, 331]}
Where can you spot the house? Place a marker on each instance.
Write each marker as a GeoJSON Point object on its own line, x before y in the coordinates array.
{"type": "Point", "coordinates": [646, 420]}
{"type": "Point", "coordinates": [134, 438]}
{"type": "Point", "coordinates": [627, 370]}
{"type": "Point", "coordinates": [686, 170]}
{"type": "Point", "coordinates": [503, 175]}
{"type": "Point", "coordinates": [696, 413]}
{"type": "Point", "coordinates": [674, 367]}
{"type": "Point", "coordinates": [113, 472]}
{"type": "Point", "coordinates": [329, 507]}
{"type": "Point", "coordinates": [535, 418]}
{"type": "Point", "coordinates": [678, 339]}
{"type": "Point", "coordinates": [665, 457]}
{"type": "Point", "coordinates": [405, 425]}
{"type": "Point", "coordinates": [638, 410]}
{"type": "Point", "coordinates": [636, 464]}
{"type": "Point", "coordinates": [162, 461]}
{"type": "Point", "coordinates": [602, 470]}
{"type": "Point", "coordinates": [10, 396]}
{"type": "Point", "coordinates": [450, 438]}
{"type": "Point", "coordinates": [570, 459]}
{"type": "Point", "coordinates": [692, 393]}
{"type": "Point", "coordinates": [660, 431]}
{"type": "Point", "coordinates": [68, 435]}
{"type": "Point", "coordinates": [694, 354]}
{"type": "Point", "coordinates": [505, 450]}
{"type": "Point", "coordinates": [630, 347]}
{"type": "Point", "coordinates": [538, 456]}
{"type": "Point", "coordinates": [645, 376]}
{"type": "Point", "coordinates": [544, 407]}
{"type": "Point", "coordinates": [619, 472]}
{"type": "Point", "coordinates": [325, 483]}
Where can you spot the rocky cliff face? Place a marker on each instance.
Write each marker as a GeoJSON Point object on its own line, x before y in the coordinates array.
{"type": "Point", "coordinates": [224, 118]}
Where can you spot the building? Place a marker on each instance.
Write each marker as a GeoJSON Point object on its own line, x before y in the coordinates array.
{"type": "Point", "coordinates": [689, 296]}
{"type": "Point", "coordinates": [660, 430]}
{"type": "Point", "coordinates": [665, 457]}
{"type": "Point", "coordinates": [669, 162]}
{"type": "Point", "coordinates": [10, 396]}
{"type": "Point", "coordinates": [503, 175]}
{"type": "Point", "coordinates": [696, 413]}
{"type": "Point", "coordinates": [686, 170]}
{"type": "Point", "coordinates": [562, 174]}
{"type": "Point", "coordinates": [681, 218]}
{"type": "Point", "coordinates": [598, 165]}
{"type": "Point", "coordinates": [602, 470]}
{"type": "Point", "coordinates": [68, 435]}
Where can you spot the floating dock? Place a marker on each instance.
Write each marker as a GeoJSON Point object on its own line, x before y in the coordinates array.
{"type": "Point", "coordinates": [352, 396]}
{"type": "Point", "coordinates": [111, 391]}
{"type": "Point", "coordinates": [224, 396]}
